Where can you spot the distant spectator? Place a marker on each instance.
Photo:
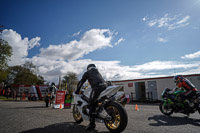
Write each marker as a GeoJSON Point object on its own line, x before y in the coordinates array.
{"type": "Point", "coordinates": [1, 88]}
{"type": "Point", "coordinates": [14, 94]}
{"type": "Point", "coordinates": [52, 89]}
{"type": "Point", "coordinates": [7, 91]}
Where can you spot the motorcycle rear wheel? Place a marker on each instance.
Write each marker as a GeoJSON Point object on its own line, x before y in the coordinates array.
{"type": "Point", "coordinates": [76, 114]}
{"type": "Point", "coordinates": [166, 110]}
{"type": "Point", "coordinates": [119, 117]}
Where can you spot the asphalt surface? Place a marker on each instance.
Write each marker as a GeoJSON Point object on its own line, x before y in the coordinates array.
{"type": "Point", "coordinates": [34, 117]}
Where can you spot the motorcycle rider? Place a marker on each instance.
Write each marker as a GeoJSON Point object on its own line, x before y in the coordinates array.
{"type": "Point", "coordinates": [98, 85]}
{"type": "Point", "coordinates": [52, 90]}
{"type": "Point", "coordinates": [190, 90]}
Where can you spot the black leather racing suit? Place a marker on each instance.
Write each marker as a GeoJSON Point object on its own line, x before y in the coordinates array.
{"type": "Point", "coordinates": [98, 85]}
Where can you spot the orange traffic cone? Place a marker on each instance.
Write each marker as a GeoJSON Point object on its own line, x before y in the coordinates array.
{"type": "Point", "coordinates": [136, 108]}
{"type": "Point", "coordinates": [60, 106]}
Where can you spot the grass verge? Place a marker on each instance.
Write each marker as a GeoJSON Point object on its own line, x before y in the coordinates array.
{"type": "Point", "coordinates": [3, 98]}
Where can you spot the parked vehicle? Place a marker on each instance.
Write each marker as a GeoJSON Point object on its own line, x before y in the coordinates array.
{"type": "Point", "coordinates": [109, 112]}
{"type": "Point", "coordinates": [172, 104]}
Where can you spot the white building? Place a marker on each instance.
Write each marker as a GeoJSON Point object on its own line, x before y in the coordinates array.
{"type": "Point", "coordinates": [151, 88]}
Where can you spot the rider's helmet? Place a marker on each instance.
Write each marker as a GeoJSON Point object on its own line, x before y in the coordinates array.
{"type": "Point", "coordinates": [90, 66]}
{"type": "Point", "coordinates": [52, 84]}
{"type": "Point", "coordinates": [177, 79]}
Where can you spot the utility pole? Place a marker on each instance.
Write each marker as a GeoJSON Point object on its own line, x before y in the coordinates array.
{"type": "Point", "coordinates": [59, 87]}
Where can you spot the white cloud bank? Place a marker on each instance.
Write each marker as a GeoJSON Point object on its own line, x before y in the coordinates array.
{"type": "Point", "coordinates": [92, 40]}
{"type": "Point", "coordinates": [119, 41]}
{"type": "Point", "coordinates": [20, 46]}
{"type": "Point", "coordinates": [112, 70]}
{"type": "Point", "coordinates": [76, 34]}
{"type": "Point", "coordinates": [56, 60]}
{"type": "Point", "coordinates": [192, 56]}
{"type": "Point", "coordinates": [167, 21]}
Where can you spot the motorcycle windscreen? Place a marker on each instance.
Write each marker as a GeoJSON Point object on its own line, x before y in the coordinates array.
{"type": "Point", "coordinates": [162, 94]}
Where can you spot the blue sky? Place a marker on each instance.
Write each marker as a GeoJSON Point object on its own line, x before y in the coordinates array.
{"type": "Point", "coordinates": [126, 39]}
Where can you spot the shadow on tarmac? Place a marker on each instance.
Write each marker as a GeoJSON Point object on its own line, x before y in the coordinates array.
{"type": "Point", "coordinates": [163, 120]}
{"type": "Point", "coordinates": [65, 127]}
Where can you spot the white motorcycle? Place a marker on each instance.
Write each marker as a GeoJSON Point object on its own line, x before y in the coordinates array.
{"type": "Point", "coordinates": [108, 111]}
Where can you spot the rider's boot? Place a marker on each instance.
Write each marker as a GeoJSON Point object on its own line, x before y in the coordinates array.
{"type": "Point", "coordinates": [92, 124]}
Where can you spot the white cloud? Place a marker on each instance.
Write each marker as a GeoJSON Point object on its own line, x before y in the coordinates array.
{"type": "Point", "coordinates": [76, 34]}
{"type": "Point", "coordinates": [169, 22]}
{"type": "Point", "coordinates": [191, 56]}
{"type": "Point", "coordinates": [119, 41]}
{"type": "Point", "coordinates": [112, 70]}
{"type": "Point", "coordinates": [52, 69]}
{"type": "Point", "coordinates": [160, 39]}
{"type": "Point", "coordinates": [54, 66]}
{"type": "Point", "coordinates": [152, 23]}
{"type": "Point", "coordinates": [34, 42]}
{"type": "Point", "coordinates": [92, 40]}
{"type": "Point", "coordinates": [163, 65]}
{"type": "Point", "coordinates": [184, 20]}
{"type": "Point", "coordinates": [144, 19]}
{"type": "Point", "coordinates": [181, 23]}
{"type": "Point", "coordinates": [19, 45]}
{"type": "Point", "coordinates": [195, 70]}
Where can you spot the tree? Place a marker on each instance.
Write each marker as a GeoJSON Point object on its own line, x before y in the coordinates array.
{"type": "Point", "coordinates": [3, 75]}
{"type": "Point", "coordinates": [5, 54]}
{"type": "Point", "coordinates": [40, 80]}
{"type": "Point", "coordinates": [24, 74]}
{"type": "Point", "coordinates": [70, 81]}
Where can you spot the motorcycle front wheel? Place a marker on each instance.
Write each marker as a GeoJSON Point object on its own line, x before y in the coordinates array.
{"type": "Point", "coordinates": [166, 109]}
{"type": "Point", "coordinates": [119, 117]}
{"type": "Point", "coordinates": [76, 114]}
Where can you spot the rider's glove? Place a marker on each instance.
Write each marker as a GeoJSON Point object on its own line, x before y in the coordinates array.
{"type": "Point", "coordinates": [77, 92]}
